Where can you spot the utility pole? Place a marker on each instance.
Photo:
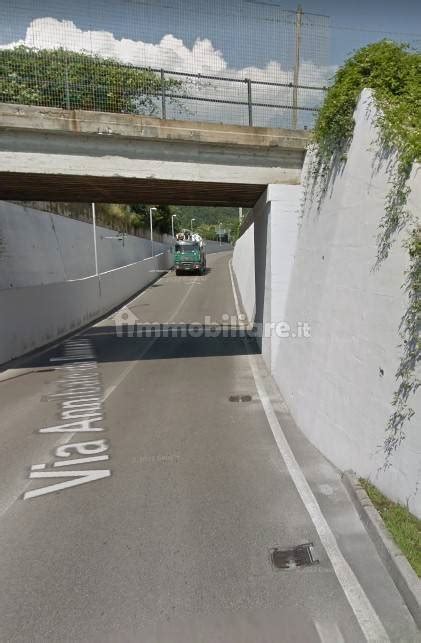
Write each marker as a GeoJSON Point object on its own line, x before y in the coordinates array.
{"type": "Point", "coordinates": [298, 22]}
{"type": "Point", "coordinates": [240, 215]}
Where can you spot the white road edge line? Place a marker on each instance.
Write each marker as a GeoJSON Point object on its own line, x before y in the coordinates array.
{"type": "Point", "coordinates": [234, 290]}
{"type": "Point", "coordinates": [367, 617]}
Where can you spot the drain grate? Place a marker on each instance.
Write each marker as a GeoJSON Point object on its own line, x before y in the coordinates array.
{"type": "Point", "coordinates": [299, 556]}
{"type": "Point", "coordinates": [240, 398]}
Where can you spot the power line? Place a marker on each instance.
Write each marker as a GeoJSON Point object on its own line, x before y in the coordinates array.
{"type": "Point", "coordinates": [365, 30]}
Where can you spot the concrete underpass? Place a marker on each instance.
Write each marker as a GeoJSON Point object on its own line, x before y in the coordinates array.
{"type": "Point", "coordinates": [175, 543]}
{"type": "Point", "coordinates": [69, 155]}
{"type": "Point", "coordinates": [152, 471]}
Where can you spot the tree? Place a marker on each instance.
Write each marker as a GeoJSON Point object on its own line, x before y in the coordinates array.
{"type": "Point", "coordinates": [207, 219]}
{"type": "Point", "coordinates": [73, 80]}
{"type": "Point", "coordinates": [161, 217]}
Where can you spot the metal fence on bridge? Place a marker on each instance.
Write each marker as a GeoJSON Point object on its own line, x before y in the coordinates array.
{"type": "Point", "coordinates": [243, 62]}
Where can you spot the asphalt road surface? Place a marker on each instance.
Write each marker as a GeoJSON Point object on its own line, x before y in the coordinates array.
{"type": "Point", "coordinates": [165, 531]}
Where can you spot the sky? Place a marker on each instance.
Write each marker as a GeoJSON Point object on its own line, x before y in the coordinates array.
{"type": "Point", "coordinates": [351, 21]}
{"type": "Point", "coordinates": [355, 22]}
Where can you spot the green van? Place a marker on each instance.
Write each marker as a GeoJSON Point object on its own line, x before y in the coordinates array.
{"type": "Point", "coordinates": [190, 256]}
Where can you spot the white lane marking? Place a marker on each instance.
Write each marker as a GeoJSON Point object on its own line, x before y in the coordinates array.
{"type": "Point", "coordinates": [148, 346]}
{"type": "Point", "coordinates": [110, 390]}
{"type": "Point", "coordinates": [367, 617]}
{"type": "Point", "coordinates": [329, 632]}
{"type": "Point", "coordinates": [105, 321]}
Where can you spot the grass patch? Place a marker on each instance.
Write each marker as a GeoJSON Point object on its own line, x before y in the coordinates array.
{"type": "Point", "coordinates": [404, 527]}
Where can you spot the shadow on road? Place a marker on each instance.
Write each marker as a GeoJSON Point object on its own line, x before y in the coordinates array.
{"type": "Point", "coordinates": [159, 342]}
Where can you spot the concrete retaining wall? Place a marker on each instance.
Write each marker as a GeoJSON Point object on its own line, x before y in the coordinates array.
{"type": "Point", "coordinates": [339, 383]}
{"type": "Point", "coordinates": [48, 285]}
{"type": "Point", "coordinates": [243, 266]}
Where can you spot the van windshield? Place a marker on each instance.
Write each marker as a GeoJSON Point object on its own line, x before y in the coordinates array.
{"type": "Point", "coordinates": [186, 247]}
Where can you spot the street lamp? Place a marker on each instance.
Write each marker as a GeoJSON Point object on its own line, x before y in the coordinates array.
{"type": "Point", "coordinates": [220, 232]}
{"type": "Point", "coordinates": [172, 223]}
{"type": "Point", "coordinates": [191, 224]}
{"type": "Point", "coordinates": [150, 221]}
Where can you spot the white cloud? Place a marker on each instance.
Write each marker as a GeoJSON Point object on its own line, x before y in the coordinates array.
{"type": "Point", "coordinates": [171, 53]}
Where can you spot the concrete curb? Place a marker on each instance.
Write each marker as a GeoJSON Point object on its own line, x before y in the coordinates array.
{"type": "Point", "coordinates": [395, 562]}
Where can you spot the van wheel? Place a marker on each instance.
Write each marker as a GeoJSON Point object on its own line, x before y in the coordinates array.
{"type": "Point", "coordinates": [177, 272]}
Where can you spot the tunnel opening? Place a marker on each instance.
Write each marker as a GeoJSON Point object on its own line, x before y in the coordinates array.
{"type": "Point", "coordinates": [86, 260]}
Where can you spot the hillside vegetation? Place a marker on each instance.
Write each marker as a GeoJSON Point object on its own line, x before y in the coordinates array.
{"type": "Point", "coordinates": [75, 80]}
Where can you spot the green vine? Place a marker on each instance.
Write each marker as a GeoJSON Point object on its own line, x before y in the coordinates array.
{"type": "Point", "coordinates": [410, 333]}
{"type": "Point", "coordinates": [393, 73]}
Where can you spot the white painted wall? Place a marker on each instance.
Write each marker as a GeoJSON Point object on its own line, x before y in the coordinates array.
{"type": "Point", "coordinates": [48, 285]}
{"type": "Point", "coordinates": [282, 213]}
{"type": "Point", "coordinates": [40, 248]}
{"type": "Point", "coordinates": [243, 266]}
{"type": "Point", "coordinates": [332, 381]}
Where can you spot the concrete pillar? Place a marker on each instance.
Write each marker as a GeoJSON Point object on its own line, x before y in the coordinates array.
{"type": "Point", "coordinates": [275, 237]}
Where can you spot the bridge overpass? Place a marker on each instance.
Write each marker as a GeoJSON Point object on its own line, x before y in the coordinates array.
{"type": "Point", "coordinates": [69, 155]}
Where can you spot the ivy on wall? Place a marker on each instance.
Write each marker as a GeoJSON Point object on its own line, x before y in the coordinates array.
{"type": "Point", "coordinates": [393, 72]}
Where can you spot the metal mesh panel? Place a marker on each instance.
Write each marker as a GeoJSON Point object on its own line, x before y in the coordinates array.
{"type": "Point", "coordinates": [242, 62]}
{"type": "Point", "coordinates": [349, 39]}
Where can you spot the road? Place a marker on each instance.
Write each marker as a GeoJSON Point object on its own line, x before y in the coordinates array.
{"type": "Point", "coordinates": [169, 538]}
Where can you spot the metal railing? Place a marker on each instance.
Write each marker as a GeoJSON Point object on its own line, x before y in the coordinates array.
{"type": "Point", "coordinates": [164, 94]}
{"type": "Point", "coordinates": [248, 103]}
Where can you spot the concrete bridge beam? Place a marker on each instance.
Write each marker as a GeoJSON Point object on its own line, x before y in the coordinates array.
{"type": "Point", "coordinates": [55, 154]}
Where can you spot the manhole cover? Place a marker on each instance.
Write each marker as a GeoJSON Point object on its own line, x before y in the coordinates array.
{"type": "Point", "coordinates": [240, 398]}
{"type": "Point", "coordinates": [299, 556]}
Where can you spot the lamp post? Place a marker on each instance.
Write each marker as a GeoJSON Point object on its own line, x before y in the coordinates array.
{"type": "Point", "coordinates": [150, 221]}
{"type": "Point", "coordinates": [220, 224]}
{"type": "Point", "coordinates": [172, 223]}
{"type": "Point", "coordinates": [191, 224]}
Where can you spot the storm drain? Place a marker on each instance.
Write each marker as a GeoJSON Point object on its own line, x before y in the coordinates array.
{"type": "Point", "coordinates": [240, 398]}
{"type": "Point", "coordinates": [299, 556]}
